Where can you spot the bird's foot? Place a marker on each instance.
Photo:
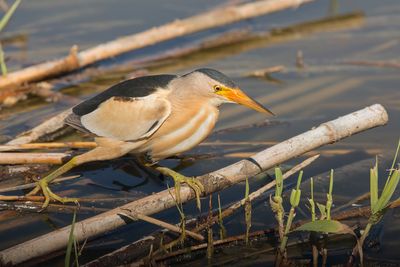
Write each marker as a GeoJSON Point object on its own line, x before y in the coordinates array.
{"type": "Point", "coordinates": [193, 183]}
{"type": "Point", "coordinates": [43, 186]}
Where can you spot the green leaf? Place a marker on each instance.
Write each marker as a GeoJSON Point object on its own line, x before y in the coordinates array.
{"type": "Point", "coordinates": [395, 158]}
{"type": "Point", "coordinates": [332, 226]}
{"type": "Point", "coordinates": [387, 192]}
{"type": "Point", "coordinates": [295, 197]}
{"type": "Point", "coordinates": [373, 173]}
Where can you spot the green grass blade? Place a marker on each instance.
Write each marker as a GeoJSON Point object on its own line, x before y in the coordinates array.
{"type": "Point", "coordinates": [71, 240]}
{"type": "Point", "coordinates": [387, 191]}
{"type": "Point", "coordinates": [331, 182]}
{"type": "Point", "coordinates": [311, 201]}
{"type": "Point", "coordinates": [6, 18]}
{"type": "Point", "coordinates": [373, 173]}
{"type": "Point", "coordinates": [395, 158]}
{"type": "Point", "coordinates": [2, 61]}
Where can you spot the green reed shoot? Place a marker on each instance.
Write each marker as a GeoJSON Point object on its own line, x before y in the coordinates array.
{"type": "Point", "coordinates": [329, 198]}
{"type": "Point", "coordinates": [311, 200]}
{"type": "Point", "coordinates": [71, 243]}
{"type": "Point", "coordinates": [294, 202]}
{"type": "Point", "coordinates": [247, 211]}
{"type": "Point", "coordinates": [182, 224]}
{"type": "Point", "coordinates": [380, 203]}
{"type": "Point", "coordinates": [276, 202]}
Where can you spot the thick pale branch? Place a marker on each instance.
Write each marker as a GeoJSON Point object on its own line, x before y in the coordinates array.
{"type": "Point", "coordinates": [326, 133]}
{"type": "Point", "coordinates": [207, 20]}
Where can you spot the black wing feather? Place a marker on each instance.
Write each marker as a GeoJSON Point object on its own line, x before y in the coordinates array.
{"type": "Point", "coordinates": [138, 87]}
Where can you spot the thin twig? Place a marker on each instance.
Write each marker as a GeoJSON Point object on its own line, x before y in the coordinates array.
{"type": "Point", "coordinates": [53, 145]}
{"type": "Point", "coordinates": [32, 185]}
{"type": "Point", "coordinates": [162, 224]}
{"type": "Point", "coordinates": [215, 243]}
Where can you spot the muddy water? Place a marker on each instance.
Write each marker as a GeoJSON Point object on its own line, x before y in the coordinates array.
{"type": "Point", "coordinates": [324, 88]}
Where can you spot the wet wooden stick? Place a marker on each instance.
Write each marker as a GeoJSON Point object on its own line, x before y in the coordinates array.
{"type": "Point", "coordinates": [52, 145]}
{"type": "Point", "coordinates": [162, 224]}
{"type": "Point", "coordinates": [32, 185]}
{"type": "Point", "coordinates": [211, 19]}
{"type": "Point", "coordinates": [326, 133]}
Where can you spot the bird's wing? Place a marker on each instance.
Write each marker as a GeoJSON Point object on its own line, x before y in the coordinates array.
{"type": "Point", "coordinates": [129, 110]}
{"type": "Point", "coordinates": [138, 87]}
{"type": "Point", "coordinates": [124, 118]}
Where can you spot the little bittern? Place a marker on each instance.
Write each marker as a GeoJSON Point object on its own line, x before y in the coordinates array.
{"type": "Point", "coordinates": [153, 117]}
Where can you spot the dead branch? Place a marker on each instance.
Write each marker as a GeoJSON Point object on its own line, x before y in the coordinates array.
{"type": "Point", "coordinates": [56, 208]}
{"type": "Point", "coordinates": [207, 20]}
{"type": "Point", "coordinates": [215, 243]}
{"type": "Point", "coordinates": [370, 63]}
{"type": "Point", "coordinates": [47, 146]}
{"type": "Point", "coordinates": [165, 225]}
{"type": "Point", "coordinates": [29, 158]}
{"type": "Point", "coordinates": [32, 185]}
{"type": "Point", "coordinates": [326, 133]}
{"type": "Point", "coordinates": [265, 72]}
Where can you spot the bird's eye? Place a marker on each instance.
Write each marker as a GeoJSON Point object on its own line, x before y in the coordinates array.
{"type": "Point", "coordinates": [217, 88]}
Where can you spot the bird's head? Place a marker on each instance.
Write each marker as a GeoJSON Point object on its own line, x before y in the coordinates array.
{"type": "Point", "coordinates": [223, 90]}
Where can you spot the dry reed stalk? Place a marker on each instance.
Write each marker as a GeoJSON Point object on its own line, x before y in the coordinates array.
{"type": "Point", "coordinates": [163, 224]}
{"type": "Point", "coordinates": [29, 158]}
{"type": "Point", "coordinates": [47, 146]}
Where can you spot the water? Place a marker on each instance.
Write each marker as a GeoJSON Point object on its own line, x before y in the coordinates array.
{"type": "Point", "coordinates": [324, 89]}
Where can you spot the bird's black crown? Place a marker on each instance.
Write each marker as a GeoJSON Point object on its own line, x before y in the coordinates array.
{"type": "Point", "coordinates": [218, 76]}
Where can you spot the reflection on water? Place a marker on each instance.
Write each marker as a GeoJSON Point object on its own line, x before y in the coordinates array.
{"type": "Point", "coordinates": [324, 89]}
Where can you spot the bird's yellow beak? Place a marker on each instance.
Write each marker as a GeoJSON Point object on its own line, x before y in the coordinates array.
{"type": "Point", "coordinates": [238, 96]}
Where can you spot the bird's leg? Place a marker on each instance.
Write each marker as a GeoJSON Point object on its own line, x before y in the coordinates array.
{"type": "Point", "coordinates": [43, 184]}
{"type": "Point", "coordinates": [193, 183]}
{"type": "Point", "coordinates": [99, 153]}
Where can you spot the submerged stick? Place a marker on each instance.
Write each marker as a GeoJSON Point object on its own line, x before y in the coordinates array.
{"type": "Point", "coordinates": [207, 20]}
{"type": "Point", "coordinates": [163, 224]}
{"type": "Point", "coordinates": [326, 133]}
{"type": "Point", "coordinates": [32, 185]}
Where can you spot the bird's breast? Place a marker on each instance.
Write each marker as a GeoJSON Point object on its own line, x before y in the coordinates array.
{"type": "Point", "coordinates": [181, 132]}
